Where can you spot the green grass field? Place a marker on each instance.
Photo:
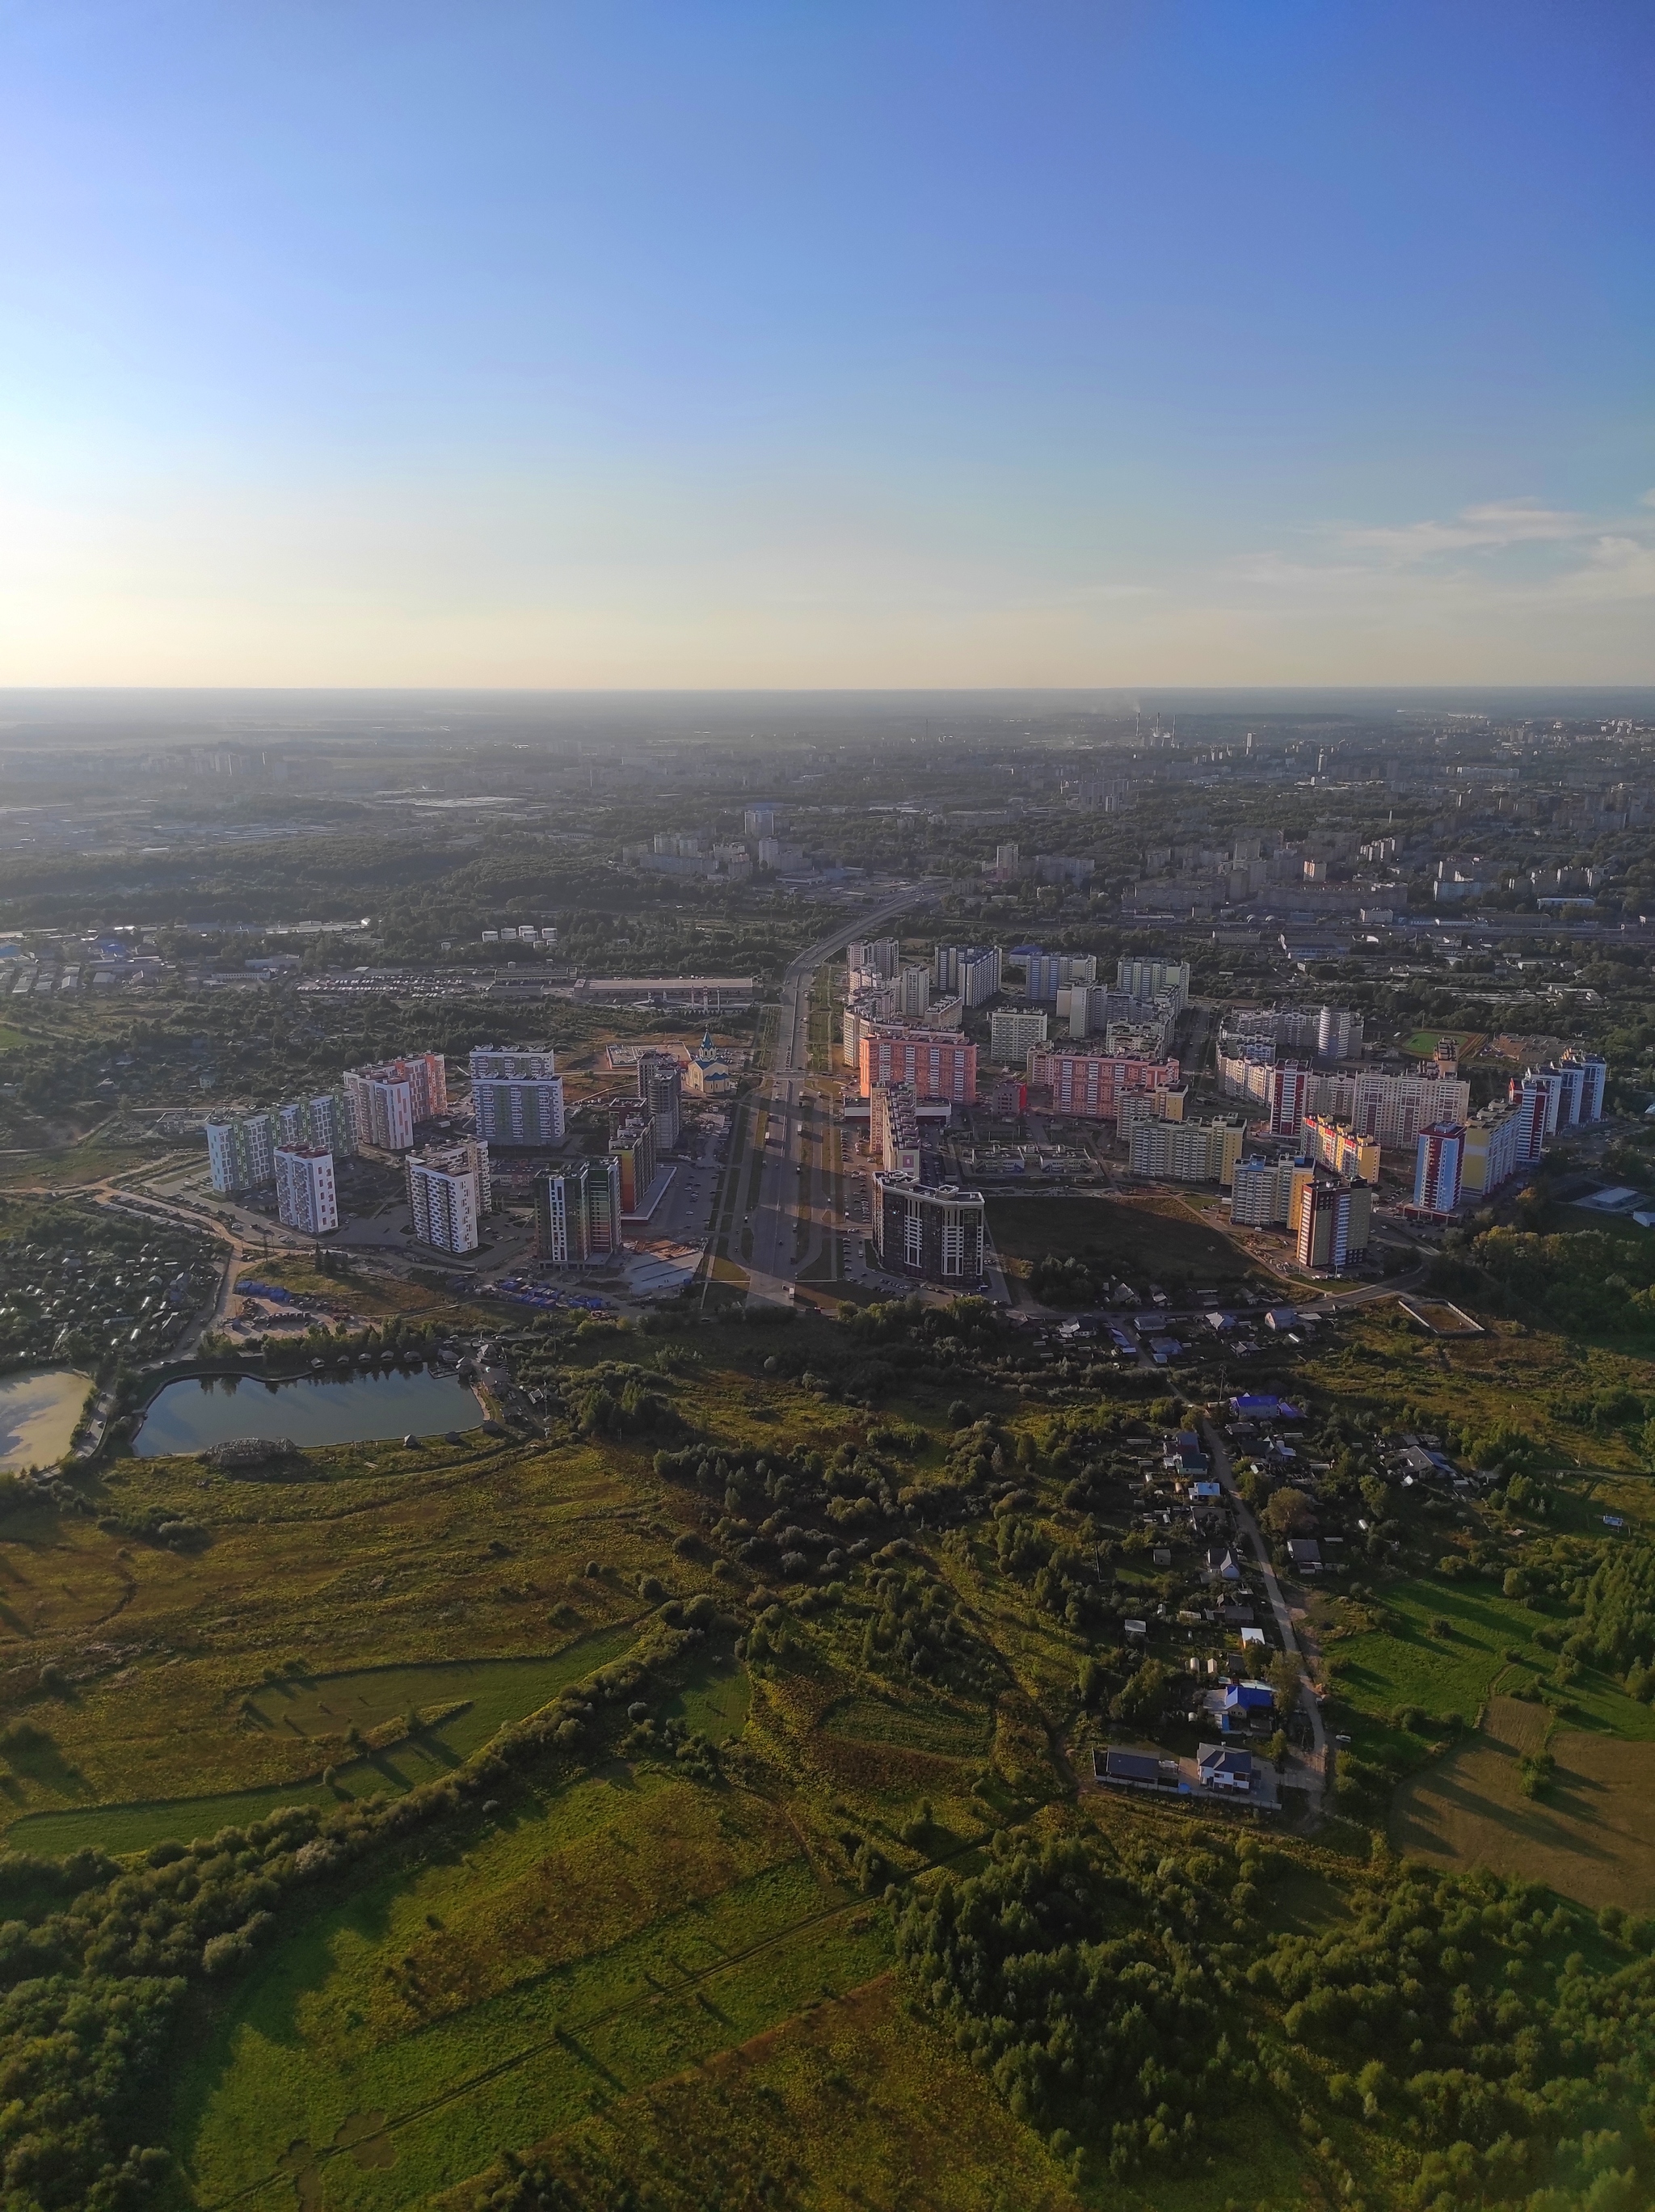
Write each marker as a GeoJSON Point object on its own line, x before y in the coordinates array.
{"type": "Point", "coordinates": [630, 1927]}
{"type": "Point", "coordinates": [1406, 1664]}
{"type": "Point", "coordinates": [488, 1693]}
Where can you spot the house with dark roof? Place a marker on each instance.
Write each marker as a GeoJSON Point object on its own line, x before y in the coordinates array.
{"type": "Point", "coordinates": [1134, 1769]}
{"type": "Point", "coordinates": [1221, 1565]}
{"type": "Point", "coordinates": [1305, 1553]}
{"type": "Point", "coordinates": [1221, 1766]}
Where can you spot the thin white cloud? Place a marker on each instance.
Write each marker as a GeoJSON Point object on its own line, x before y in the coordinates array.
{"type": "Point", "coordinates": [1616, 569]}
{"type": "Point", "coordinates": [1502, 554]}
{"type": "Point", "coordinates": [1492, 527]}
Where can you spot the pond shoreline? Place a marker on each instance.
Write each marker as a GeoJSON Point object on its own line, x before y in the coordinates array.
{"type": "Point", "coordinates": [372, 1405]}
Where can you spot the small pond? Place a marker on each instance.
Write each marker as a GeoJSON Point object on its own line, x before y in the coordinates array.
{"type": "Point", "coordinates": [39, 1409]}
{"type": "Point", "coordinates": [324, 1409]}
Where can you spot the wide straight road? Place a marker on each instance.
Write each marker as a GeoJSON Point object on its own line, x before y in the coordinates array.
{"type": "Point", "coordinates": [782, 1198]}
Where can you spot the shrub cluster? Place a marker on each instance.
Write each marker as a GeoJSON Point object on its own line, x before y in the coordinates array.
{"type": "Point", "coordinates": [1456, 2010]}
{"type": "Point", "coordinates": [918, 1629]}
{"type": "Point", "coordinates": [623, 1400]}
{"type": "Point", "coordinates": [1090, 1988]}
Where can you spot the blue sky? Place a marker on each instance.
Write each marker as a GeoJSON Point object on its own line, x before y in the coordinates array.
{"type": "Point", "coordinates": [351, 341]}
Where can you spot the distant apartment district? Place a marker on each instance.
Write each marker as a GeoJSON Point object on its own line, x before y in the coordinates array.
{"type": "Point", "coordinates": [402, 1107]}
{"type": "Point", "coordinates": [1303, 1154]}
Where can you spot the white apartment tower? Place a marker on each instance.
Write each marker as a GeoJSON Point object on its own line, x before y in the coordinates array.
{"type": "Point", "coordinates": [448, 1194]}
{"type": "Point", "coordinates": [1012, 1036]}
{"type": "Point", "coordinates": [517, 1096]}
{"type": "Point", "coordinates": [1148, 979]}
{"type": "Point", "coordinates": [305, 1195]}
{"type": "Point", "coordinates": [239, 1152]}
{"type": "Point", "coordinates": [971, 970]}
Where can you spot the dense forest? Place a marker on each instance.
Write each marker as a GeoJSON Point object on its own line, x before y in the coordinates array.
{"type": "Point", "coordinates": [1125, 1999]}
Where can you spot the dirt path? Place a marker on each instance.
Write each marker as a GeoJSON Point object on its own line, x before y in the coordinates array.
{"type": "Point", "coordinates": [1316, 1768]}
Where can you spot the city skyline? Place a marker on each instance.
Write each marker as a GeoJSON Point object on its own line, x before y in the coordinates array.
{"type": "Point", "coordinates": [915, 348]}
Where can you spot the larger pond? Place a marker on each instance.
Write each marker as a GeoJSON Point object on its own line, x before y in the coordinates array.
{"type": "Point", "coordinates": [347, 1409]}
{"type": "Point", "coordinates": [37, 1413]}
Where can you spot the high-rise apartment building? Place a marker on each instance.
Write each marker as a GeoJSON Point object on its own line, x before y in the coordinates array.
{"type": "Point", "coordinates": [1331, 1033]}
{"type": "Point", "coordinates": [1045, 974]}
{"type": "Point", "coordinates": [894, 1130]}
{"type": "Point", "coordinates": [1438, 1162]}
{"type": "Point", "coordinates": [388, 1102]}
{"type": "Point", "coordinates": [1011, 1035]}
{"type": "Point", "coordinates": [1088, 1008]}
{"type": "Point", "coordinates": [1087, 1084]}
{"type": "Point", "coordinates": [324, 1120]}
{"type": "Point", "coordinates": [577, 1213]}
{"type": "Point", "coordinates": [868, 1011]}
{"type": "Point", "coordinates": [448, 1193]}
{"type": "Point", "coordinates": [1186, 1151]}
{"type": "Point", "coordinates": [1289, 1097]}
{"type": "Point", "coordinates": [1394, 1108]}
{"type": "Point", "coordinates": [1335, 1221]}
{"type": "Point", "coordinates": [1136, 1040]}
{"type": "Point", "coordinates": [971, 970]}
{"type": "Point", "coordinates": [661, 1088]}
{"type": "Point", "coordinates": [1594, 1078]}
{"type": "Point", "coordinates": [910, 989]}
{"type": "Point", "coordinates": [517, 1096]}
{"type": "Point", "coordinates": [1496, 1148]}
{"type": "Point", "coordinates": [934, 1232]}
{"type": "Point", "coordinates": [1529, 1101]}
{"type": "Point", "coordinates": [240, 1152]}
{"type": "Point", "coordinates": [1137, 1106]}
{"type": "Point", "coordinates": [1575, 1084]}
{"type": "Point", "coordinates": [632, 1147]}
{"type": "Point", "coordinates": [1148, 979]}
{"type": "Point", "coordinates": [1263, 1191]}
{"type": "Point", "coordinates": [759, 821]}
{"type": "Point", "coordinates": [305, 1197]}
{"type": "Point", "coordinates": [932, 1063]}
{"type": "Point", "coordinates": [882, 955]}
{"type": "Point", "coordinates": [1336, 1144]}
